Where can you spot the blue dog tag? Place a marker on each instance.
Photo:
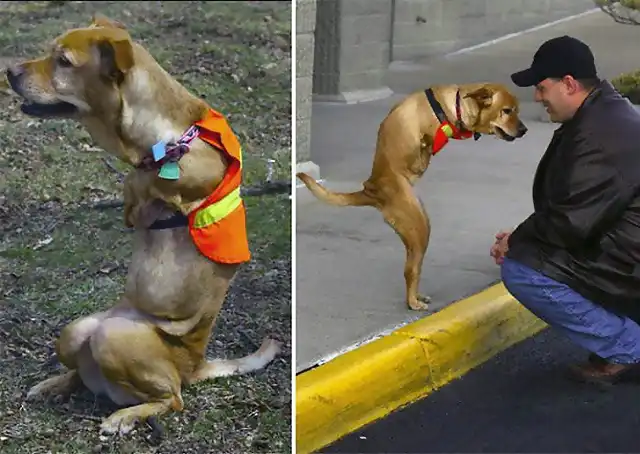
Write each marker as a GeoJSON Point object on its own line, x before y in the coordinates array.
{"type": "Point", "coordinates": [159, 151]}
{"type": "Point", "coordinates": [170, 171]}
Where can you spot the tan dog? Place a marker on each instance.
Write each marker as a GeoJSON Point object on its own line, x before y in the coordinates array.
{"type": "Point", "coordinates": [153, 340]}
{"type": "Point", "coordinates": [403, 152]}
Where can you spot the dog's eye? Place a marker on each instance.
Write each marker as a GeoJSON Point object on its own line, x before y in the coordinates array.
{"type": "Point", "coordinates": [507, 111]}
{"type": "Point", "coordinates": [63, 61]}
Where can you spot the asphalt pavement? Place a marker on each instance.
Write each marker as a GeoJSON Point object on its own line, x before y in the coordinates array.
{"type": "Point", "coordinates": [520, 402]}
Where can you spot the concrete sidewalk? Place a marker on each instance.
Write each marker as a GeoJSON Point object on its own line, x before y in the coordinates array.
{"type": "Point", "coordinates": [350, 285]}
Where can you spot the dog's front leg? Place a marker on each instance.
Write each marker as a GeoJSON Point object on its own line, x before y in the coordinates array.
{"type": "Point", "coordinates": [171, 196]}
{"type": "Point", "coordinates": [140, 210]}
{"type": "Point", "coordinates": [145, 198]}
{"type": "Point", "coordinates": [131, 199]}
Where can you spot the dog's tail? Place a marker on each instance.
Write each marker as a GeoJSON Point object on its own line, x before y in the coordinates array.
{"type": "Point", "coordinates": [252, 362]}
{"type": "Point", "coordinates": [359, 198]}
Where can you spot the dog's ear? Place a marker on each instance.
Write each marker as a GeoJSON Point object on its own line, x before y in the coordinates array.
{"type": "Point", "coordinates": [100, 20]}
{"type": "Point", "coordinates": [116, 57]}
{"type": "Point", "coordinates": [483, 96]}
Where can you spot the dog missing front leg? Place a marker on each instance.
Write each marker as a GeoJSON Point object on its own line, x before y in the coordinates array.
{"type": "Point", "coordinates": [414, 130]}
{"type": "Point", "coordinates": [182, 197]}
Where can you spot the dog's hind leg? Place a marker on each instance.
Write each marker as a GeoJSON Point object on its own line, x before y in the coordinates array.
{"type": "Point", "coordinates": [406, 215]}
{"type": "Point", "coordinates": [74, 335]}
{"type": "Point", "coordinates": [68, 345]}
{"type": "Point", "coordinates": [227, 367]}
{"type": "Point", "coordinates": [140, 372]}
{"type": "Point", "coordinates": [60, 385]}
{"type": "Point", "coordinates": [136, 363]}
{"type": "Point", "coordinates": [124, 420]}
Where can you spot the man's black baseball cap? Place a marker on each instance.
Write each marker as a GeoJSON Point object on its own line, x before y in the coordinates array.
{"type": "Point", "coordinates": [558, 57]}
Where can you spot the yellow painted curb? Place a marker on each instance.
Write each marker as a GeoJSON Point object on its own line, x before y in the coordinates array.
{"type": "Point", "coordinates": [371, 381]}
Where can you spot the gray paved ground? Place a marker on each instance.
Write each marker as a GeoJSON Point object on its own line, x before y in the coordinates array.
{"type": "Point", "coordinates": [349, 268]}
{"type": "Point", "coordinates": [614, 45]}
{"type": "Point", "coordinates": [520, 402]}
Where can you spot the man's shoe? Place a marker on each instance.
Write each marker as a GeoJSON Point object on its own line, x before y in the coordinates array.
{"type": "Point", "coordinates": [598, 371]}
{"type": "Point", "coordinates": [595, 359]}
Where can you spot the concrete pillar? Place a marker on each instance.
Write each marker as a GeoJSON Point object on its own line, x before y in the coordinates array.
{"type": "Point", "coordinates": [305, 29]}
{"type": "Point", "coordinates": [352, 50]}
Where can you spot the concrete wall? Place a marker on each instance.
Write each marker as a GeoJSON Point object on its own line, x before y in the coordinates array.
{"type": "Point", "coordinates": [305, 27]}
{"type": "Point", "coordinates": [352, 49]}
{"type": "Point", "coordinates": [424, 29]}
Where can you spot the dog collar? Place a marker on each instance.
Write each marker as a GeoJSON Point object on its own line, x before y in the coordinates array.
{"type": "Point", "coordinates": [165, 156]}
{"type": "Point", "coordinates": [448, 130]}
{"type": "Point", "coordinates": [176, 220]}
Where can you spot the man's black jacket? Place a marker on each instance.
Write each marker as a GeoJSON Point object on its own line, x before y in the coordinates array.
{"type": "Point", "coordinates": [585, 229]}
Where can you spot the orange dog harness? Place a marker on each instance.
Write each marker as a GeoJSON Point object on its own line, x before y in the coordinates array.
{"type": "Point", "coordinates": [218, 226]}
{"type": "Point", "coordinates": [447, 129]}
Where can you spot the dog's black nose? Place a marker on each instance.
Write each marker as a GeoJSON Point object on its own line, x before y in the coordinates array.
{"type": "Point", "coordinates": [522, 129]}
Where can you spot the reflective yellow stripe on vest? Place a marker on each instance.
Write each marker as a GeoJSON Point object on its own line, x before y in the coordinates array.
{"type": "Point", "coordinates": [219, 210]}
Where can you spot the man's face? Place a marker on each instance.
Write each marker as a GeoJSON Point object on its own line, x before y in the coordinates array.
{"type": "Point", "coordinates": [556, 96]}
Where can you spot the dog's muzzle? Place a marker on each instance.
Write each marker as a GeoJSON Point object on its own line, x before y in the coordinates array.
{"type": "Point", "coordinates": [522, 129]}
{"type": "Point", "coordinates": [36, 109]}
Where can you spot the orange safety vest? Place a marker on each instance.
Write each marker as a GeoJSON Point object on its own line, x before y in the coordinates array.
{"type": "Point", "coordinates": [218, 226]}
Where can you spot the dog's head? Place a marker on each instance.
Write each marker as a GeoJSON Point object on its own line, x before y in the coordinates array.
{"type": "Point", "coordinates": [57, 84]}
{"type": "Point", "coordinates": [495, 111]}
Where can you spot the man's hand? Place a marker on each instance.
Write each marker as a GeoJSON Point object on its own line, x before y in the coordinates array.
{"type": "Point", "coordinates": [501, 246]}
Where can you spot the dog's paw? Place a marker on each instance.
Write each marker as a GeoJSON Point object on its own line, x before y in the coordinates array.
{"type": "Point", "coordinates": [55, 387]}
{"type": "Point", "coordinates": [420, 303]}
{"type": "Point", "coordinates": [120, 422]}
{"type": "Point", "coordinates": [271, 347]}
{"type": "Point", "coordinates": [37, 392]}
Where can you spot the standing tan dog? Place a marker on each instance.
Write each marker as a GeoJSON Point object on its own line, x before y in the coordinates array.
{"type": "Point", "coordinates": [406, 141]}
{"type": "Point", "coordinates": [153, 340]}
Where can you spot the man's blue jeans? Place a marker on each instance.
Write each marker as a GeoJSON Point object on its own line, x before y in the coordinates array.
{"type": "Point", "coordinates": [611, 336]}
